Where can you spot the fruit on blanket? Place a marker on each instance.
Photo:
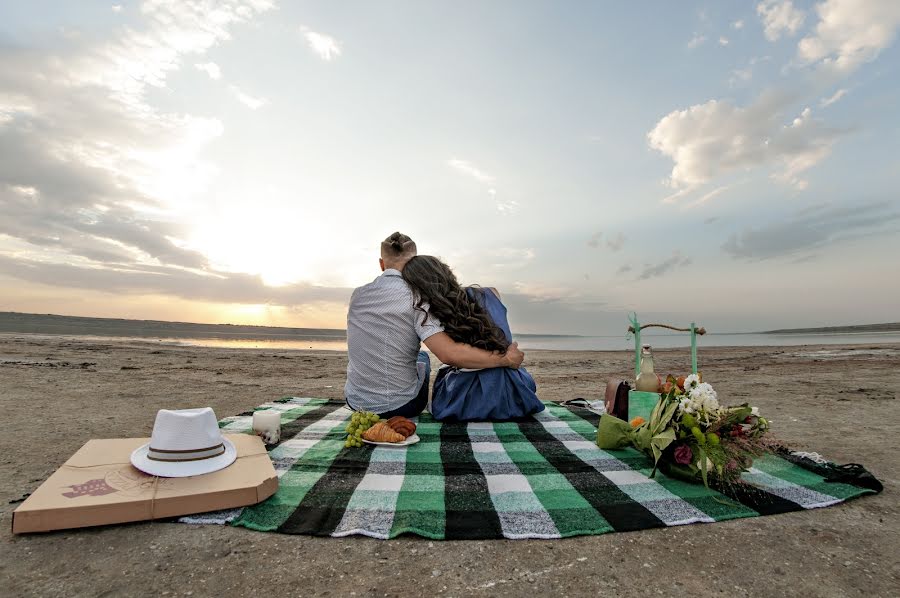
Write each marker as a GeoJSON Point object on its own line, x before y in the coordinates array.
{"type": "Point", "coordinates": [381, 432]}
{"type": "Point", "coordinates": [360, 421]}
{"type": "Point", "coordinates": [401, 425]}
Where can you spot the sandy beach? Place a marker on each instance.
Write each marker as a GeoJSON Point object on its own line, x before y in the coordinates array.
{"type": "Point", "coordinates": [840, 401]}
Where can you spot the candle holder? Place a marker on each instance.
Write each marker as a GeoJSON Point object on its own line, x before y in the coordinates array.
{"type": "Point", "coordinates": [267, 425]}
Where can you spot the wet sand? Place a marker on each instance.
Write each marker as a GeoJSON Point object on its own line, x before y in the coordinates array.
{"type": "Point", "coordinates": [58, 392]}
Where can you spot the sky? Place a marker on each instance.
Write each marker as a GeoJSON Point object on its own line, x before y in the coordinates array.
{"type": "Point", "coordinates": [731, 163]}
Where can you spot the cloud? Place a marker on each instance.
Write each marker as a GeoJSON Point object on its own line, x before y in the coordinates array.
{"type": "Point", "coordinates": [740, 76]}
{"type": "Point", "coordinates": [624, 269]}
{"type": "Point", "coordinates": [90, 167]}
{"type": "Point", "coordinates": [739, 24]}
{"type": "Point", "coordinates": [116, 8]}
{"type": "Point", "coordinates": [616, 243]}
{"type": "Point", "coordinates": [252, 102]}
{"type": "Point", "coordinates": [831, 100]}
{"type": "Point", "coordinates": [850, 32]}
{"type": "Point", "coordinates": [210, 68]}
{"type": "Point", "coordinates": [468, 169]}
{"type": "Point", "coordinates": [813, 228]}
{"type": "Point", "coordinates": [508, 206]}
{"type": "Point", "coordinates": [715, 138]}
{"type": "Point", "coordinates": [779, 17]}
{"type": "Point", "coordinates": [538, 291]}
{"type": "Point", "coordinates": [708, 196]}
{"type": "Point", "coordinates": [324, 46]}
{"type": "Point", "coordinates": [696, 41]}
{"type": "Point", "coordinates": [653, 270]}
{"type": "Point", "coordinates": [175, 282]}
{"type": "Point", "coordinates": [723, 41]}
{"type": "Point", "coordinates": [511, 257]}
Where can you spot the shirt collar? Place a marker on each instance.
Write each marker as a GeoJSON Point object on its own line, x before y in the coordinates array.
{"type": "Point", "coordinates": [392, 272]}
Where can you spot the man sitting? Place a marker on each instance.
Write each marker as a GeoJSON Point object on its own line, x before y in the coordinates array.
{"type": "Point", "coordinates": [387, 373]}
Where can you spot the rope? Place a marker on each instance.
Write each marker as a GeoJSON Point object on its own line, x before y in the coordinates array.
{"type": "Point", "coordinates": [700, 330]}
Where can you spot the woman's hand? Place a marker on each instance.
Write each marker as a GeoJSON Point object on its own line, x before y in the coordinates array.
{"type": "Point", "coordinates": [514, 356]}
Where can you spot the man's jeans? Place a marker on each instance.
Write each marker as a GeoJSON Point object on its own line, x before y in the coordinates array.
{"type": "Point", "coordinates": [417, 405]}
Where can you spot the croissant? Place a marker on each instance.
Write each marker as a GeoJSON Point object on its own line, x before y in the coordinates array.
{"type": "Point", "coordinates": [381, 432]}
{"type": "Point", "coordinates": [401, 425]}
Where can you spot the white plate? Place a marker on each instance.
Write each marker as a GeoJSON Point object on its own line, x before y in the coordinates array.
{"type": "Point", "coordinates": [411, 440]}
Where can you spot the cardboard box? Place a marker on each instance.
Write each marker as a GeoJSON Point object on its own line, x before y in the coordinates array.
{"type": "Point", "coordinates": [98, 486]}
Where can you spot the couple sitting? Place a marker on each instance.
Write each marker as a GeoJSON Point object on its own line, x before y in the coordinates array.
{"type": "Point", "coordinates": [418, 300]}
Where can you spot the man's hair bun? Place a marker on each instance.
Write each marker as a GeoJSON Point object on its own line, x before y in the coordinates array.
{"type": "Point", "coordinates": [397, 245]}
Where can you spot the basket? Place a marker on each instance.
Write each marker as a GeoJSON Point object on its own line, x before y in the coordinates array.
{"type": "Point", "coordinates": [641, 403]}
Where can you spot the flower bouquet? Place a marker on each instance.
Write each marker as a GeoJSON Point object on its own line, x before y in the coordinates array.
{"type": "Point", "coordinates": [690, 435]}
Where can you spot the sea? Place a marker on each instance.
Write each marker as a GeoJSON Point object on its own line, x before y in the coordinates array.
{"type": "Point", "coordinates": [274, 338]}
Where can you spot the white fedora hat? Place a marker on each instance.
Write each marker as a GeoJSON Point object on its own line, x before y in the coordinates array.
{"type": "Point", "coordinates": [185, 442]}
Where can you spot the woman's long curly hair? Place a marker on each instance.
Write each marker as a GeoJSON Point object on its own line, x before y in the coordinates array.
{"type": "Point", "coordinates": [464, 319]}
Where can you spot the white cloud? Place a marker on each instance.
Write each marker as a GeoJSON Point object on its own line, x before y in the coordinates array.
{"type": "Point", "coordinates": [210, 68]}
{"type": "Point", "coordinates": [538, 291]}
{"type": "Point", "coordinates": [116, 8]}
{"type": "Point", "coordinates": [716, 138]}
{"type": "Point", "coordinates": [851, 32]}
{"type": "Point", "coordinates": [740, 76]}
{"type": "Point", "coordinates": [739, 24]}
{"type": "Point", "coordinates": [95, 167]}
{"type": "Point", "coordinates": [723, 41]}
{"type": "Point", "coordinates": [708, 196]}
{"type": "Point", "coordinates": [696, 41]}
{"type": "Point", "coordinates": [508, 206]}
{"type": "Point", "coordinates": [511, 257]}
{"type": "Point", "coordinates": [252, 102]}
{"type": "Point", "coordinates": [831, 100]}
{"type": "Point", "coordinates": [468, 169]}
{"type": "Point", "coordinates": [779, 17]}
{"type": "Point", "coordinates": [324, 46]}
{"type": "Point", "coordinates": [137, 59]}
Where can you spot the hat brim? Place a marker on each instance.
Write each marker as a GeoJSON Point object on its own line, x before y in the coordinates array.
{"type": "Point", "coordinates": [183, 469]}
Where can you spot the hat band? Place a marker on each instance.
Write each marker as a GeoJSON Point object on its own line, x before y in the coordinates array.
{"type": "Point", "coordinates": [173, 456]}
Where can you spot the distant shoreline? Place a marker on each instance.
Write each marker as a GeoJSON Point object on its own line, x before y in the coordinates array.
{"type": "Point", "coordinates": [889, 327]}
{"type": "Point", "coordinates": [52, 324]}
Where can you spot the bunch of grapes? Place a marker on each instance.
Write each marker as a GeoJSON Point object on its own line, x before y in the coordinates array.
{"type": "Point", "coordinates": [359, 423]}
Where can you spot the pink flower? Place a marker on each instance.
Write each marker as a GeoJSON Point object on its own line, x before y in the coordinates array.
{"type": "Point", "coordinates": [683, 454]}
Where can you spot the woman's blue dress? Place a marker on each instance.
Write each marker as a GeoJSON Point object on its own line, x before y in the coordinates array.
{"type": "Point", "coordinates": [494, 394]}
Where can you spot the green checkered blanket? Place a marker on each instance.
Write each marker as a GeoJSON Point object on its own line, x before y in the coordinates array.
{"type": "Point", "coordinates": [542, 477]}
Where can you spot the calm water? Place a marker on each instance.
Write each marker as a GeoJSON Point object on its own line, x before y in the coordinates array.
{"type": "Point", "coordinates": [265, 337]}
{"type": "Point", "coordinates": [559, 343]}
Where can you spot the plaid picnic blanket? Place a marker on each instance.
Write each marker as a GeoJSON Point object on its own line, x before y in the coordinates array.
{"type": "Point", "coordinates": [542, 477]}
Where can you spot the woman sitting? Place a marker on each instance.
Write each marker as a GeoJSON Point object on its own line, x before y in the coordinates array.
{"type": "Point", "coordinates": [474, 316]}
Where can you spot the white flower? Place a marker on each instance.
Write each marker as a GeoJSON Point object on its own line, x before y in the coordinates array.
{"type": "Point", "coordinates": [691, 380]}
{"type": "Point", "coordinates": [687, 406]}
{"type": "Point", "coordinates": [706, 388]}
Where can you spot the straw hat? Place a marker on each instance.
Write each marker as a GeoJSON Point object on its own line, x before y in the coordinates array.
{"type": "Point", "coordinates": [185, 442]}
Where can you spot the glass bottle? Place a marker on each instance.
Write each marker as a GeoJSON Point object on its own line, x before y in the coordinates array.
{"type": "Point", "coordinates": [646, 380]}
